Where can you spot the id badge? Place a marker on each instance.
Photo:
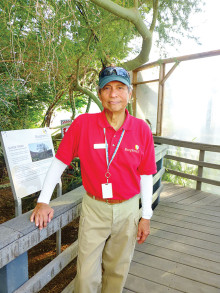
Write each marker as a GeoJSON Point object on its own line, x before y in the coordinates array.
{"type": "Point", "coordinates": [107, 190]}
{"type": "Point", "coordinates": [98, 146]}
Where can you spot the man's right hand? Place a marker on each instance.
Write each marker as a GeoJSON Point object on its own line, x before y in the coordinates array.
{"type": "Point", "coordinates": [42, 214]}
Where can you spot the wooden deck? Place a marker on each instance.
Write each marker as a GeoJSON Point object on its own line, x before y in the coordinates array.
{"type": "Point", "coordinates": [182, 253]}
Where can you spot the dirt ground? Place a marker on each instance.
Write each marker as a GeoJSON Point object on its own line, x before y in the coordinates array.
{"type": "Point", "coordinates": [44, 252]}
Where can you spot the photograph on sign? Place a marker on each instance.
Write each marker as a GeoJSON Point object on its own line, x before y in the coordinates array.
{"type": "Point", "coordinates": [40, 151]}
{"type": "Point", "coordinates": [28, 154]}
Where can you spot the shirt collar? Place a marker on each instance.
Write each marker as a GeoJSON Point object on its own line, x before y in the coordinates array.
{"type": "Point", "coordinates": [103, 122]}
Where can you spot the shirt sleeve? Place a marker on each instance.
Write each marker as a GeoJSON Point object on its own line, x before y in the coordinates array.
{"type": "Point", "coordinates": [146, 192]}
{"type": "Point", "coordinates": [68, 148]}
{"type": "Point", "coordinates": [52, 178]}
{"type": "Point", "coordinates": [148, 163]}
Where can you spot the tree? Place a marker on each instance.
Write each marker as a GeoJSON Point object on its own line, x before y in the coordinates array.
{"type": "Point", "coordinates": [52, 50]}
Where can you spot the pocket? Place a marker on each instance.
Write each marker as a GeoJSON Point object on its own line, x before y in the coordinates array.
{"type": "Point", "coordinates": [136, 221]}
{"type": "Point", "coordinates": [81, 227]}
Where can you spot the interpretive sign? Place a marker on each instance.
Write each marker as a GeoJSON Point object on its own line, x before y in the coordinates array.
{"type": "Point", "coordinates": [28, 154]}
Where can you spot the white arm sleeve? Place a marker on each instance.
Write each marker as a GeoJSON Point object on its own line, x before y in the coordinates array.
{"type": "Point", "coordinates": [146, 192]}
{"type": "Point", "coordinates": [52, 178]}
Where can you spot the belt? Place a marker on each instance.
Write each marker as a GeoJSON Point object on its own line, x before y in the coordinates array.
{"type": "Point", "coordinates": [107, 200]}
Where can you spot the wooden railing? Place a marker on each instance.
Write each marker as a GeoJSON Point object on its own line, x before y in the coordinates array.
{"type": "Point", "coordinates": [202, 148]}
{"type": "Point", "coordinates": [19, 235]}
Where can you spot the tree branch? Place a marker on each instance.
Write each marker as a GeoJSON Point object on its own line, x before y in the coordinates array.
{"type": "Point", "coordinates": [85, 90]}
{"type": "Point", "coordinates": [132, 15]}
{"type": "Point", "coordinates": [136, 4]}
{"type": "Point", "coordinates": [155, 13]}
{"type": "Point", "coordinates": [50, 109]}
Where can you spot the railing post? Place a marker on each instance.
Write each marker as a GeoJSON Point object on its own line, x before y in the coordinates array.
{"type": "Point", "coordinates": [14, 274]}
{"type": "Point", "coordinates": [157, 185]}
{"type": "Point", "coordinates": [200, 169]}
{"type": "Point", "coordinates": [160, 100]}
{"type": "Point", "coordinates": [134, 104]}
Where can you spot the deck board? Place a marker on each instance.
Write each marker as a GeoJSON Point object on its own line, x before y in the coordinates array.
{"type": "Point", "coordinates": [182, 253]}
{"type": "Point", "coordinates": [190, 226]}
{"type": "Point", "coordinates": [183, 248]}
{"type": "Point", "coordinates": [181, 216]}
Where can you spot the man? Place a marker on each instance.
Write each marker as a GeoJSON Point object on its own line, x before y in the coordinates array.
{"type": "Point", "coordinates": [117, 161]}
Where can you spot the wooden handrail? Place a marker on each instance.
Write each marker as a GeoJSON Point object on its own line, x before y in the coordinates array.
{"type": "Point", "coordinates": [193, 162]}
{"type": "Point", "coordinates": [19, 235]}
{"type": "Point", "coordinates": [202, 148]}
{"type": "Point", "coordinates": [187, 144]}
{"type": "Point", "coordinates": [178, 59]}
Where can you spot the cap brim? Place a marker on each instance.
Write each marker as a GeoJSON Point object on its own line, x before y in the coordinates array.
{"type": "Point", "coordinates": [110, 78]}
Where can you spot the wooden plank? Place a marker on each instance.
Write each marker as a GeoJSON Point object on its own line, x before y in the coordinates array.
{"type": "Point", "coordinates": [210, 207]}
{"type": "Point", "coordinates": [171, 189]}
{"type": "Point", "coordinates": [5, 240]}
{"type": "Point", "coordinates": [173, 192]}
{"type": "Point", "coordinates": [179, 58]}
{"type": "Point", "coordinates": [158, 175]}
{"type": "Point", "coordinates": [169, 185]}
{"type": "Point", "coordinates": [209, 200]}
{"type": "Point", "coordinates": [134, 93]}
{"type": "Point", "coordinates": [44, 276]}
{"type": "Point", "coordinates": [201, 196]}
{"type": "Point", "coordinates": [188, 197]}
{"type": "Point", "coordinates": [125, 291]}
{"type": "Point", "coordinates": [179, 197]}
{"type": "Point", "coordinates": [183, 248]}
{"type": "Point", "coordinates": [24, 243]}
{"type": "Point", "coordinates": [160, 151]}
{"type": "Point", "coordinates": [210, 232]}
{"type": "Point", "coordinates": [144, 82]}
{"type": "Point", "coordinates": [200, 169]}
{"type": "Point", "coordinates": [69, 288]}
{"type": "Point", "coordinates": [213, 247]}
{"type": "Point", "coordinates": [67, 207]}
{"type": "Point", "coordinates": [193, 177]}
{"type": "Point", "coordinates": [187, 144]}
{"type": "Point", "coordinates": [206, 199]}
{"type": "Point", "coordinates": [157, 193]}
{"type": "Point", "coordinates": [193, 162]}
{"type": "Point", "coordinates": [193, 210]}
{"type": "Point", "coordinates": [61, 205]}
{"type": "Point", "coordinates": [160, 100]}
{"type": "Point", "coordinates": [178, 269]}
{"type": "Point", "coordinates": [216, 203]}
{"type": "Point", "coordinates": [181, 258]}
{"type": "Point", "coordinates": [170, 72]}
{"type": "Point", "coordinates": [174, 215]}
{"type": "Point", "coordinates": [195, 196]}
{"type": "Point", "coordinates": [140, 285]}
{"type": "Point", "coordinates": [169, 280]}
{"type": "Point", "coordinates": [186, 232]}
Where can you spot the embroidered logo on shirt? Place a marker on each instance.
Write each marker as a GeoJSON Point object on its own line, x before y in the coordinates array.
{"type": "Point", "coordinates": [135, 150]}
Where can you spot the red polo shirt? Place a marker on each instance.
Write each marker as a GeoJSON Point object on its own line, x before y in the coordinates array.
{"type": "Point", "coordinates": [134, 157]}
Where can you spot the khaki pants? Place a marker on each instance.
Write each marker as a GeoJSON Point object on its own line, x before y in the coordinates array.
{"type": "Point", "coordinates": [107, 237]}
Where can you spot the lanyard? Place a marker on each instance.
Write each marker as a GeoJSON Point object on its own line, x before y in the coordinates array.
{"type": "Point", "coordinates": [107, 174]}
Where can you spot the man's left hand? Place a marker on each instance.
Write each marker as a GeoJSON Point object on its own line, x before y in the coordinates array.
{"type": "Point", "coordinates": [143, 230]}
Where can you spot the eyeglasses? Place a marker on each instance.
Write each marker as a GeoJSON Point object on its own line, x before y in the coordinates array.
{"type": "Point", "coordinates": [114, 71]}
